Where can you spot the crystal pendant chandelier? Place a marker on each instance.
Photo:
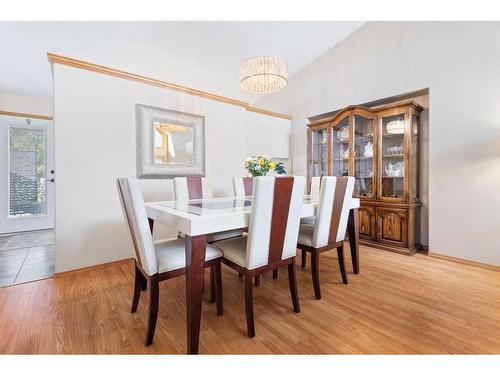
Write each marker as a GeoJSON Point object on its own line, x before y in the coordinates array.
{"type": "Point", "coordinates": [263, 74]}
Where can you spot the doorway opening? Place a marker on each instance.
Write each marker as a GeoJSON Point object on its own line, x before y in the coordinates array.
{"type": "Point", "coordinates": [26, 199]}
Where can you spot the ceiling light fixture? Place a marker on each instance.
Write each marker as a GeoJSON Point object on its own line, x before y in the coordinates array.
{"type": "Point", "coordinates": [263, 74]}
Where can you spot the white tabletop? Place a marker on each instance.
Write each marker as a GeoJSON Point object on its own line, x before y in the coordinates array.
{"type": "Point", "coordinates": [202, 216]}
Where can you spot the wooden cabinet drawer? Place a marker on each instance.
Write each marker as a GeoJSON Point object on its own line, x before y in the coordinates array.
{"type": "Point", "coordinates": [366, 220]}
{"type": "Point", "coordinates": [392, 226]}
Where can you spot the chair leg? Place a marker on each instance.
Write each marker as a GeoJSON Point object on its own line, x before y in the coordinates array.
{"type": "Point", "coordinates": [144, 283]}
{"type": "Point", "coordinates": [212, 284]}
{"type": "Point", "coordinates": [292, 282]}
{"type": "Point", "coordinates": [275, 273]}
{"type": "Point", "coordinates": [138, 285]}
{"type": "Point", "coordinates": [340, 253]}
{"type": "Point", "coordinates": [154, 292]}
{"type": "Point", "coordinates": [249, 306]}
{"type": "Point", "coordinates": [257, 280]}
{"type": "Point", "coordinates": [353, 231]}
{"type": "Point", "coordinates": [315, 273]}
{"type": "Point", "coordinates": [218, 288]}
{"type": "Point", "coordinates": [304, 258]}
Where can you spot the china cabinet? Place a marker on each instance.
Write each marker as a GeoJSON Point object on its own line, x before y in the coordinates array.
{"type": "Point", "coordinates": [379, 146]}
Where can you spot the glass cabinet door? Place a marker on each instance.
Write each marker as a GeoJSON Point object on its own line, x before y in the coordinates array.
{"type": "Point", "coordinates": [363, 156]}
{"type": "Point", "coordinates": [340, 148]}
{"type": "Point", "coordinates": [393, 161]}
{"type": "Point", "coordinates": [319, 152]}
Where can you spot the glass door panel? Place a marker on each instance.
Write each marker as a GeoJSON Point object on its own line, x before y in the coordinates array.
{"type": "Point", "coordinates": [319, 153]}
{"type": "Point", "coordinates": [27, 185]}
{"type": "Point", "coordinates": [393, 165]}
{"type": "Point", "coordinates": [27, 174]}
{"type": "Point", "coordinates": [363, 156]}
{"type": "Point", "coordinates": [340, 148]}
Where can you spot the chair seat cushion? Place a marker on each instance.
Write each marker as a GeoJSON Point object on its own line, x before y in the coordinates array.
{"type": "Point", "coordinates": [234, 249]}
{"type": "Point", "coordinates": [224, 235]}
{"type": "Point", "coordinates": [171, 255]}
{"type": "Point", "coordinates": [306, 234]}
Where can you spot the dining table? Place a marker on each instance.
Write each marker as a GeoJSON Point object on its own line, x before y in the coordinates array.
{"type": "Point", "coordinates": [198, 217]}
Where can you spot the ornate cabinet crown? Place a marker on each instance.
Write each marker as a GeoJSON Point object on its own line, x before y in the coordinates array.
{"type": "Point", "coordinates": [379, 146]}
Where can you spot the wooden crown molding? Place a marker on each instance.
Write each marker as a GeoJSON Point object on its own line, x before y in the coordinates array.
{"type": "Point", "coordinates": [269, 113]}
{"type": "Point", "coordinates": [26, 115]}
{"type": "Point", "coordinates": [68, 61]}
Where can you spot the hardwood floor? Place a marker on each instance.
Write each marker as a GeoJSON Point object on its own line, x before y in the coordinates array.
{"type": "Point", "coordinates": [397, 304]}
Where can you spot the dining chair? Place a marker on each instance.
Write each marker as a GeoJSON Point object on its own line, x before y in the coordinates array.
{"type": "Point", "coordinates": [329, 229]}
{"type": "Point", "coordinates": [158, 261]}
{"type": "Point", "coordinates": [157, 190]}
{"type": "Point", "coordinates": [195, 187]}
{"type": "Point", "coordinates": [313, 192]}
{"type": "Point", "coordinates": [315, 185]}
{"type": "Point", "coordinates": [192, 187]}
{"type": "Point", "coordinates": [242, 186]}
{"type": "Point", "coordinates": [272, 237]}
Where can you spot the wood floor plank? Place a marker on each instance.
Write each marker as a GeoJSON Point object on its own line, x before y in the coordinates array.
{"type": "Point", "coordinates": [397, 304]}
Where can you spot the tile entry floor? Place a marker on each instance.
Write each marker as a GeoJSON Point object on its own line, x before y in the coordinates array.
{"type": "Point", "coordinates": [26, 256]}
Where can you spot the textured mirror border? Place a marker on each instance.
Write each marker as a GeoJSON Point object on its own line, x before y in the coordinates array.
{"type": "Point", "coordinates": [146, 169]}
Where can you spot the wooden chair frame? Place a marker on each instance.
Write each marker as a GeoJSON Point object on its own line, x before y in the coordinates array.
{"type": "Point", "coordinates": [142, 279]}
{"type": "Point", "coordinates": [256, 272]}
{"type": "Point", "coordinates": [340, 189]}
{"type": "Point", "coordinates": [281, 204]}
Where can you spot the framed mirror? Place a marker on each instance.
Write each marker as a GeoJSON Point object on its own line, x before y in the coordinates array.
{"type": "Point", "coordinates": [169, 143]}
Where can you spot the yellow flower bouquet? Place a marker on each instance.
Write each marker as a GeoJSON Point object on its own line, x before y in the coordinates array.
{"type": "Point", "coordinates": [261, 165]}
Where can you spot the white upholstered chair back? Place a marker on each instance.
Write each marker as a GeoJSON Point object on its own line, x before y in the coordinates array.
{"type": "Point", "coordinates": [274, 221]}
{"type": "Point", "coordinates": [242, 186]}
{"type": "Point", "coordinates": [315, 185]}
{"type": "Point", "coordinates": [137, 220]}
{"type": "Point", "coordinates": [333, 210]}
{"type": "Point", "coordinates": [192, 187]}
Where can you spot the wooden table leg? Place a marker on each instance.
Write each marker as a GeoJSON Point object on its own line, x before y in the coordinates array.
{"type": "Point", "coordinates": [353, 231]}
{"type": "Point", "coordinates": [195, 266]}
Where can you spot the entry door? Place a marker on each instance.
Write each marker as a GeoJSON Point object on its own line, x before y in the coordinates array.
{"type": "Point", "coordinates": [27, 174]}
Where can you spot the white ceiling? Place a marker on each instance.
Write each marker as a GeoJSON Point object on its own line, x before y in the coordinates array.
{"type": "Point", "coordinates": [202, 55]}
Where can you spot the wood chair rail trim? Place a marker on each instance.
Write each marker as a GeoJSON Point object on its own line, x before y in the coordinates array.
{"type": "Point", "coordinates": [68, 61]}
{"type": "Point", "coordinates": [248, 185]}
{"type": "Point", "coordinates": [279, 220]}
{"type": "Point", "coordinates": [340, 188]}
{"type": "Point", "coordinates": [194, 187]}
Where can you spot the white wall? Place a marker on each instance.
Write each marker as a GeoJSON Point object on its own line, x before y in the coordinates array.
{"type": "Point", "coordinates": [271, 136]}
{"type": "Point", "coordinates": [460, 63]}
{"type": "Point", "coordinates": [26, 104]}
{"type": "Point", "coordinates": [95, 144]}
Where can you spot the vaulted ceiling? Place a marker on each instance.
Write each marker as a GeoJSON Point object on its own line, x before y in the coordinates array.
{"type": "Point", "coordinates": [201, 55]}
